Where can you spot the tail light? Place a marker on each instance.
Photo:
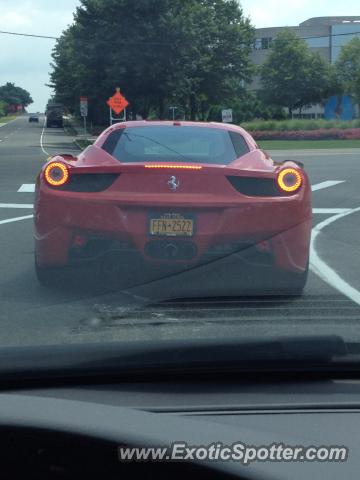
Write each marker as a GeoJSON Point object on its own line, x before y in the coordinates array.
{"type": "Point", "coordinates": [289, 180]}
{"type": "Point", "coordinates": [56, 174]}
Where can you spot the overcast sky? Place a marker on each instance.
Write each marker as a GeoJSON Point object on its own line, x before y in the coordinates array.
{"type": "Point", "coordinates": [26, 61]}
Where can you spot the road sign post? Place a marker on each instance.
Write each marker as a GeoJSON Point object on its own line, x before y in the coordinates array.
{"type": "Point", "coordinates": [118, 104]}
{"type": "Point", "coordinates": [84, 110]}
{"type": "Point", "coordinates": [227, 115]}
{"type": "Point", "coordinates": [173, 111]}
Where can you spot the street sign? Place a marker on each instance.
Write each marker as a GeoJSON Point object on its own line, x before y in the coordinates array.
{"type": "Point", "coordinates": [117, 102]}
{"type": "Point", "coordinates": [83, 106]}
{"type": "Point", "coordinates": [227, 116]}
{"type": "Point", "coordinates": [84, 110]}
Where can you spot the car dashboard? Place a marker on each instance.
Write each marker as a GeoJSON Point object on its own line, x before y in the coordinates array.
{"type": "Point", "coordinates": [74, 431]}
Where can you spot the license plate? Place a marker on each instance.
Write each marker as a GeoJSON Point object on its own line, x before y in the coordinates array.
{"type": "Point", "coordinates": [172, 225]}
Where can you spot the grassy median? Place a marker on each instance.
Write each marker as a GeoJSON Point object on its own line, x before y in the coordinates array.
{"type": "Point", "coordinates": [307, 144]}
{"type": "Point", "coordinates": [8, 118]}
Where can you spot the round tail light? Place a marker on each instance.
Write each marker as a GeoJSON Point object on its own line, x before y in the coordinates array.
{"type": "Point", "coordinates": [56, 174]}
{"type": "Point", "coordinates": [289, 180]}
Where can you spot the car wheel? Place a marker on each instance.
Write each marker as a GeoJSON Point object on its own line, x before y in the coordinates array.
{"type": "Point", "coordinates": [47, 276]}
{"type": "Point", "coordinates": [294, 283]}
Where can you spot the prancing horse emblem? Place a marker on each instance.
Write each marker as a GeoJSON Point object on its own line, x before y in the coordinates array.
{"type": "Point", "coordinates": [173, 183]}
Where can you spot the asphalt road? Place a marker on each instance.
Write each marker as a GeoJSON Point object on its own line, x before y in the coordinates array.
{"type": "Point", "coordinates": [87, 309]}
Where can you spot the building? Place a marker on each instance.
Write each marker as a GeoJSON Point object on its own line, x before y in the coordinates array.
{"type": "Point", "coordinates": [324, 35]}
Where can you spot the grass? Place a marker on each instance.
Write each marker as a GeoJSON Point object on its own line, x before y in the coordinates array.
{"type": "Point", "coordinates": [307, 144]}
{"type": "Point", "coordinates": [299, 124]}
{"type": "Point", "coordinates": [69, 128]}
{"type": "Point", "coordinates": [82, 143]}
{"type": "Point", "coordinates": [8, 118]}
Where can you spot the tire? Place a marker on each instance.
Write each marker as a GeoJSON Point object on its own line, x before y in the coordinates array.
{"type": "Point", "coordinates": [294, 283]}
{"type": "Point", "coordinates": [48, 276]}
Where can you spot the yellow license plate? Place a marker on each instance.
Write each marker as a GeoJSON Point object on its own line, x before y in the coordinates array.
{"type": "Point", "coordinates": [172, 226]}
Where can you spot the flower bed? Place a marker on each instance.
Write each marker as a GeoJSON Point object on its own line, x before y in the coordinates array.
{"type": "Point", "coordinates": [321, 134]}
{"type": "Point", "coordinates": [299, 124]}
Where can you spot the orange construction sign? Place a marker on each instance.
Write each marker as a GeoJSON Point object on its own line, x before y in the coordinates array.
{"type": "Point", "coordinates": [117, 102]}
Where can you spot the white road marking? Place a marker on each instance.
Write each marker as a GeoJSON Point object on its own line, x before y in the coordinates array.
{"type": "Point", "coordinates": [41, 140]}
{"type": "Point", "coordinates": [27, 187]}
{"type": "Point", "coordinates": [16, 219]}
{"type": "Point", "coordinates": [30, 187]}
{"type": "Point", "coordinates": [328, 183]}
{"type": "Point", "coordinates": [326, 273]}
{"type": "Point", "coordinates": [331, 210]}
{"type": "Point", "coordinates": [16, 205]}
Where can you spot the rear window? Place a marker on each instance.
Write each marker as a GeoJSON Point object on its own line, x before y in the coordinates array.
{"type": "Point", "coordinates": [175, 143]}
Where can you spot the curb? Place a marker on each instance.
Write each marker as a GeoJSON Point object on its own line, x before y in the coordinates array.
{"type": "Point", "coordinates": [10, 121]}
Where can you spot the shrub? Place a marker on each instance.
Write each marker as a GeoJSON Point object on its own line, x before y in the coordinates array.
{"type": "Point", "coordinates": [320, 134]}
{"type": "Point", "coordinates": [299, 125]}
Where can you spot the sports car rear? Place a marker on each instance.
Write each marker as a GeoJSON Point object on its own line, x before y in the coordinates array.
{"type": "Point", "coordinates": [180, 213]}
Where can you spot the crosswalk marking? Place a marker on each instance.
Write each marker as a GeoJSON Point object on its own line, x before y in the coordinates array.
{"type": "Point", "coordinates": [328, 183]}
{"type": "Point", "coordinates": [331, 210]}
{"type": "Point", "coordinates": [16, 205]}
{"type": "Point", "coordinates": [27, 187]}
{"type": "Point", "coordinates": [16, 219]}
{"type": "Point", "coordinates": [30, 187]}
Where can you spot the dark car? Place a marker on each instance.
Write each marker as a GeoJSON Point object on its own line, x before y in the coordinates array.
{"type": "Point", "coordinates": [34, 118]}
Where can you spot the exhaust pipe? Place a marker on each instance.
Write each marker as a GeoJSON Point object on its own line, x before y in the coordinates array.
{"type": "Point", "coordinates": [171, 250]}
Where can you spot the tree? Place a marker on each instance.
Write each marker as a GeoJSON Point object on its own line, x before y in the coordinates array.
{"type": "Point", "coordinates": [13, 95]}
{"type": "Point", "coordinates": [3, 108]}
{"type": "Point", "coordinates": [348, 68]}
{"type": "Point", "coordinates": [191, 54]}
{"type": "Point", "coordinates": [292, 76]}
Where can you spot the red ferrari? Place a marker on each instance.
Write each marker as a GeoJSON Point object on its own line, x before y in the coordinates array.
{"type": "Point", "coordinates": [174, 193]}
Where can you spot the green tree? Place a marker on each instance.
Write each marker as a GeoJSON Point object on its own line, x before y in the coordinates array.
{"type": "Point", "coordinates": [292, 76]}
{"type": "Point", "coordinates": [13, 95]}
{"type": "Point", "coordinates": [191, 54]}
{"type": "Point", "coordinates": [3, 108]}
{"type": "Point", "coordinates": [348, 68]}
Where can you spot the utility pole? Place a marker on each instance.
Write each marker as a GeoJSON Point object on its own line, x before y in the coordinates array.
{"type": "Point", "coordinates": [173, 111]}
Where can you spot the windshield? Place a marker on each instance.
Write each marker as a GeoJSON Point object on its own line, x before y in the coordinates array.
{"type": "Point", "coordinates": [179, 170]}
{"type": "Point", "coordinates": [171, 143]}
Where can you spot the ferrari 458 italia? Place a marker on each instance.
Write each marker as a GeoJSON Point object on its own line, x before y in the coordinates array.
{"type": "Point", "coordinates": [174, 193]}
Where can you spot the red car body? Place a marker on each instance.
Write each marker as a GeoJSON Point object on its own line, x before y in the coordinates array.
{"type": "Point", "coordinates": [224, 216]}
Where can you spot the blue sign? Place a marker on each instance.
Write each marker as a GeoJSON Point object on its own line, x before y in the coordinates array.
{"type": "Point", "coordinates": [339, 107]}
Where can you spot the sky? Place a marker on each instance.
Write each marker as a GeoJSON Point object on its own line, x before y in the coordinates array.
{"type": "Point", "coordinates": [26, 61]}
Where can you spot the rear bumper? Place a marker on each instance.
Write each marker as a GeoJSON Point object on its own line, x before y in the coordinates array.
{"type": "Point", "coordinates": [71, 228]}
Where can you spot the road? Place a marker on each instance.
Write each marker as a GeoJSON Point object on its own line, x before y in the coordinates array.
{"type": "Point", "coordinates": [82, 311]}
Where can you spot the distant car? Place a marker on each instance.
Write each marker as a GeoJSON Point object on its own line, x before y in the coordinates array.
{"type": "Point", "coordinates": [175, 193]}
{"type": "Point", "coordinates": [34, 118]}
